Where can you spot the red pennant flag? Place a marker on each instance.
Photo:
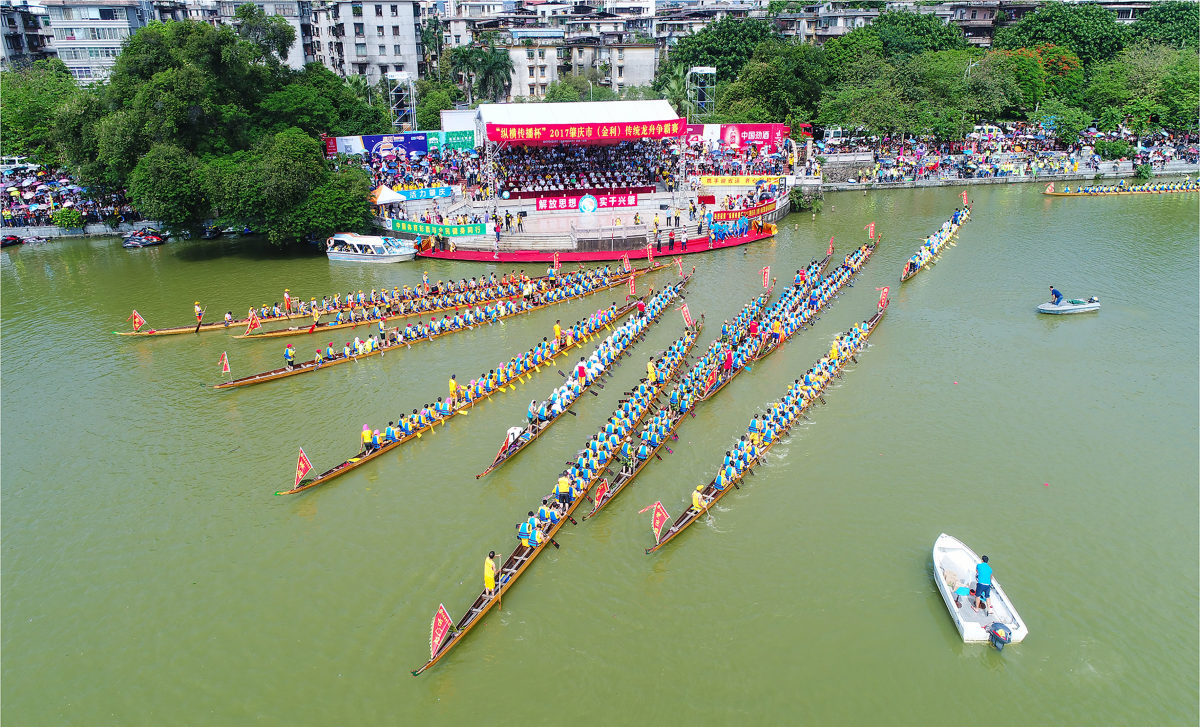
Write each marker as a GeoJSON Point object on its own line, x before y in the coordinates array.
{"type": "Point", "coordinates": [883, 297]}
{"type": "Point", "coordinates": [679, 264]}
{"type": "Point", "coordinates": [870, 231]}
{"type": "Point", "coordinates": [657, 519]}
{"type": "Point", "coordinates": [687, 317]}
{"type": "Point", "coordinates": [766, 273]}
{"type": "Point", "coordinates": [302, 467]}
{"type": "Point", "coordinates": [631, 285]}
{"type": "Point", "coordinates": [438, 629]}
{"type": "Point", "coordinates": [224, 361]}
{"type": "Point", "coordinates": [601, 490]}
{"type": "Point", "coordinates": [625, 262]}
{"type": "Point", "coordinates": [1050, 188]}
{"type": "Point", "coordinates": [138, 321]}
{"type": "Point", "coordinates": [252, 322]}
{"type": "Point", "coordinates": [830, 250]}
{"type": "Point", "coordinates": [557, 264]}
{"type": "Point", "coordinates": [964, 195]}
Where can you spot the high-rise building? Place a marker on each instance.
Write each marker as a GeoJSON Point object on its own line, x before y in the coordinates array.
{"type": "Point", "coordinates": [26, 39]}
{"type": "Point", "coordinates": [88, 35]}
{"type": "Point", "coordinates": [370, 39]}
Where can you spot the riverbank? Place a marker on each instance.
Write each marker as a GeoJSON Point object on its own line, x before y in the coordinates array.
{"type": "Point", "coordinates": [1106, 171]}
{"type": "Point", "coordinates": [96, 230]}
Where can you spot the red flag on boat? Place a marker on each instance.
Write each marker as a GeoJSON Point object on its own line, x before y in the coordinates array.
{"type": "Point", "coordinates": [625, 262]}
{"type": "Point", "coordinates": [679, 264]}
{"type": "Point", "coordinates": [557, 264]}
{"type": "Point", "coordinates": [687, 317]}
{"type": "Point", "coordinates": [438, 629]}
{"type": "Point", "coordinates": [138, 321]}
{"type": "Point", "coordinates": [766, 273]}
{"type": "Point", "coordinates": [601, 490]}
{"type": "Point", "coordinates": [302, 467]}
{"type": "Point", "coordinates": [830, 250]}
{"type": "Point", "coordinates": [870, 231]}
{"type": "Point", "coordinates": [632, 291]}
{"type": "Point", "coordinates": [657, 519]}
{"type": "Point", "coordinates": [252, 322]}
{"type": "Point", "coordinates": [883, 297]}
{"type": "Point", "coordinates": [224, 361]}
{"type": "Point", "coordinates": [1050, 188]}
{"type": "Point", "coordinates": [650, 254]}
{"type": "Point", "coordinates": [964, 195]}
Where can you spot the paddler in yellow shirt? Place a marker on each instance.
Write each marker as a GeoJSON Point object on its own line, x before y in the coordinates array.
{"type": "Point", "coordinates": [453, 386]}
{"type": "Point", "coordinates": [557, 331]}
{"type": "Point", "coordinates": [489, 574]}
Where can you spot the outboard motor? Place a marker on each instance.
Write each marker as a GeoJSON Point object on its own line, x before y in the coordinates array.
{"type": "Point", "coordinates": [999, 635]}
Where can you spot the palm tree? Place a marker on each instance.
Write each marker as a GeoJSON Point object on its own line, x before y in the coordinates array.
{"type": "Point", "coordinates": [675, 91]}
{"type": "Point", "coordinates": [464, 67]}
{"type": "Point", "coordinates": [359, 87]}
{"type": "Point", "coordinates": [495, 74]}
{"type": "Point", "coordinates": [431, 40]}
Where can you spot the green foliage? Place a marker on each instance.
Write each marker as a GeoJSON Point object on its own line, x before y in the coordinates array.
{"type": "Point", "coordinates": [339, 204]}
{"type": "Point", "coordinates": [641, 93]}
{"type": "Point", "coordinates": [494, 74]}
{"type": "Point", "coordinates": [165, 185]}
{"type": "Point", "coordinates": [32, 97]}
{"type": "Point", "coordinates": [904, 33]}
{"type": "Point", "coordinates": [67, 218]}
{"type": "Point", "coordinates": [726, 44]}
{"type": "Point", "coordinates": [1028, 76]}
{"type": "Point", "coordinates": [1089, 31]}
{"type": "Point", "coordinates": [852, 47]}
{"type": "Point", "coordinates": [1066, 121]}
{"type": "Point", "coordinates": [1142, 172]}
{"type": "Point", "coordinates": [429, 110]}
{"type": "Point", "coordinates": [1113, 148]}
{"type": "Point", "coordinates": [1064, 73]}
{"type": "Point", "coordinates": [270, 34]}
{"type": "Point", "coordinates": [1171, 23]}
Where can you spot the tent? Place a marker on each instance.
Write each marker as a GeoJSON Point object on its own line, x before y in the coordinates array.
{"type": "Point", "coordinates": [385, 195]}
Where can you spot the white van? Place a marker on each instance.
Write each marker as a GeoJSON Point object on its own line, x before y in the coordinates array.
{"type": "Point", "coordinates": [8, 164]}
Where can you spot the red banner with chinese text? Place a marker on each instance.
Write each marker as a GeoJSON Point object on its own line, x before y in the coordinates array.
{"type": "Point", "coordinates": [883, 297]}
{"type": "Point", "coordinates": [766, 273]}
{"type": "Point", "coordinates": [601, 491]}
{"type": "Point", "coordinates": [870, 231]}
{"type": "Point", "coordinates": [572, 203]}
{"type": "Point", "coordinates": [830, 250]}
{"type": "Point", "coordinates": [587, 133]}
{"type": "Point", "coordinates": [687, 317]}
{"type": "Point", "coordinates": [769, 136]}
{"type": "Point", "coordinates": [303, 466]}
{"type": "Point", "coordinates": [252, 321]}
{"type": "Point", "coordinates": [657, 519]}
{"type": "Point", "coordinates": [439, 629]}
{"type": "Point", "coordinates": [138, 321]}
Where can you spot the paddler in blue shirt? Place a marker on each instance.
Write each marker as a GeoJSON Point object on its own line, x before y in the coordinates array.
{"type": "Point", "coordinates": [1055, 296]}
{"type": "Point", "coordinates": [289, 357]}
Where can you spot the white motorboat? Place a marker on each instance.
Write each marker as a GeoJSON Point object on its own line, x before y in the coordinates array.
{"type": "Point", "coordinates": [1070, 306]}
{"type": "Point", "coordinates": [954, 572]}
{"type": "Point", "coordinates": [349, 247]}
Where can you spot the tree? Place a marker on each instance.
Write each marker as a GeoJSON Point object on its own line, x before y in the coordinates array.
{"type": "Point", "coordinates": [270, 34]}
{"type": "Point", "coordinates": [431, 40]}
{"type": "Point", "coordinates": [495, 74]}
{"type": "Point", "coordinates": [726, 44]}
{"type": "Point", "coordinates": [165, 185]}
{"type": "Point", "coordinates": [1063, 122]}
{"type": "Point", "coordinates": [858, 43]}
{"type": "Point", "coordinates": [1064, 73]}
{"type": "Point", "coordinates": [1172, 23]}
{"type": "Point", "coordinates": [904, 33]}
{"type": "Point", "coordinates": [464, 66]}
{"type": "Point", "coordinates": [1089, 31]}
{"type": "Point", "coordinates": [32, 97]}
{"type": "Point", "coordinates": [429, 110]}
{"type": "Point", "coordinates": [340, 203]}
{"type": "Point", "coordinates": [1181, 93]}
{"type": "Point", "coordinates": [559, 92]}
{"type": "Point", "coordinates": [1028, 76]}
{"type": "Point", "coordinates": [68, 218]}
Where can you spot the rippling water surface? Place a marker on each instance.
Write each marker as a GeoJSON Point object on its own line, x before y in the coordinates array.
{"type": "Point", "coordinates": [150, 577]}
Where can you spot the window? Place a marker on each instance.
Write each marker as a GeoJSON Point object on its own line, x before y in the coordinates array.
{"type": "Point", "coordinates": [531, 71]}
{"type": "Point", "coordinates": [108, 13]}
{"type": "Point", "coordinates": [543, 72]}
{"type": "Point", "coordinates": [356, 10]}
{"type": "Point", "coordinates": [379, 11]}
{"type": "Point", "coordinates": [317, 45]}
{"type": "Point", "coordinates": [620, 54]}
{"type": "Point", "coordinates": [529, 54]}
{"type": "Point", "coordinates": [396, 50]}
{"type": "Point", "coordinates": [542, 54]}
{"type": "Point", "coordinates": [620, 71]}
{"type": "Point", "coordinates": [400, 67]}
{"type": "Point", "coordinates": [358, 29]}
{"type": "Point", "coordinates": [395, 10]}
{"type": "Point", "coordinates": [973, 14]}
{"type": "Point", "coordinates": [395, 30]}
{"type": "Point", "coordinates": [458, 40]}
{"type": "Point", "coordinates": [316, 31]}
{"type": "Point", "coordinates": [379, 31]}
{"type": "Point", "coordinates": [360, 49]}
{"type": "Point", "coordinates": [531, 89]}
{"type": "Point", "coordinates": [383, 50]}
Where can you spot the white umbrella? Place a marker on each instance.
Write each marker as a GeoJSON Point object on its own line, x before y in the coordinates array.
{"type": "Point", "coordinates": [28, 195]}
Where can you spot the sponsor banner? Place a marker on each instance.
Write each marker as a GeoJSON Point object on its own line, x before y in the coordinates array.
{"type": "Point", "coordinates": [331, 147]}
{"type": "Point", "coordinates": [436, 140]}
{"type": "Point", "coordinates": [423, 228]}
{"type": "Point", "coordinates": [555, 133]}
{"type": "Point", "coordinates": [398, 144]}
{"type": "Point", "coordinates": [769, 136]}
{"type": "Point", "coordinates": [425, 193]}
{"type": "Point", "coordinates": [727, 215]}
{"type": "Point", "coordinates": [587, 202]}
{"type": "Point", "coordinates": [738, 181]}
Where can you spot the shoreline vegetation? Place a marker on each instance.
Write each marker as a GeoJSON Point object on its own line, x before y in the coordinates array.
{"type": "Point", "coordinates": [200, 124]}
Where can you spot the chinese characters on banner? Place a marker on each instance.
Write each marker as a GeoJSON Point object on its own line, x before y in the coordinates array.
{"type": "Point", "coordinates": [601, 490]}
{"type": "Point", "coordinates": [687, 317]}
{"type": "Point", "coordinates": [737, 181]}
{"type": "Point", "coordinates": [422, 228]}
{"type": "Point", "coordinates": [252, 322]}
{"type": "Point", "coordinates": [830, 250]}
{"type": "Point", "coordinates": [551, 133]}
{"type": "Point", "coordinates": [439, 629]}
{"type": "Point", "coordinates": [964, 194]}
{"type": "Point", "coordinates": [632, 290]}
{"type": "Point", "coordinates": [870, 231]}
{"type": "Point", "coordinates": [138, 321]}
{"type": "Point", "coordinates": [727, 215]}
{"type": "Point", "coordinates": [658, 518]}
{"type": "Point", "coordinates": [426, 193]}
{"type": "Point", "coordinates": [883, 297]}
{"type": "Point", "coordinates": [330, 145]}
{"type": "Point", "coordinates": [572, 203]}
{"type": "Point", "coordinates": [650, 255]}
{"type": "Point", "coordinates": [766, 272]}
{"type": "Point", "coordinates": [625, 261]}
{"type": "Point", "coordinates": [302, 467]}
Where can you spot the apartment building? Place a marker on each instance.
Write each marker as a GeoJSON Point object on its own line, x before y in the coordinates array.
{"type": "Point", "coordinates": [369, 39]}
{"type": "Point", "coordinates": [26, 39]}
{"type": "Point", "coordinates": [88, 35]}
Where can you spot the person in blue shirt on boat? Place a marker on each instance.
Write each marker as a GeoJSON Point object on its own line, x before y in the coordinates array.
{"type": "Point", "coordinates": [1055, 296]}
{"type": "Point", "coordinates": [983, 583]}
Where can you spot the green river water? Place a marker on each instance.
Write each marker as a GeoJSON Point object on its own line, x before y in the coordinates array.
{"type": "Point", "coordinates": [150, 577]}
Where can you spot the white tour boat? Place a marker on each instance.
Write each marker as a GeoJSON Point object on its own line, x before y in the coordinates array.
{"type": "Point", "coordinates": [349, 247]}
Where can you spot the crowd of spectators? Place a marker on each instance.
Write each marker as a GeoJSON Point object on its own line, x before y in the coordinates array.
{"type": "Point", "coordinates": [449, 167]}
{"type": "Point", "coordinates": [624, 165]}
{"type": "Point", "coordinates": [31, 195]}
{"type": "Point", "coordinates": [734, 162]}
